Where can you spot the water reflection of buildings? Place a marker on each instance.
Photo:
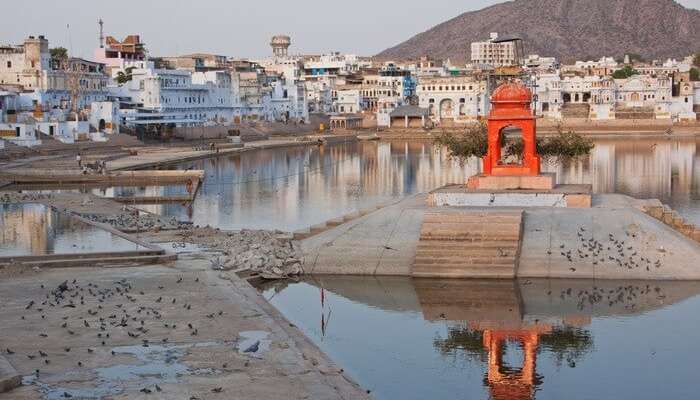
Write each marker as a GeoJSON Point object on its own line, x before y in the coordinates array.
{"type": "Point", "coordinates": [303, 186]}
{"type": "Point", "coordinates": [25, 227]}
{"type": "Point", "coordinates": [295, 187]}
{"type": "Point", "coordinates": [487, 319]}
{"type": "Point", "coordinates": [647, 168]}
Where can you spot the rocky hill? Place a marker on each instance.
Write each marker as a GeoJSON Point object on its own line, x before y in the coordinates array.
{"type": "Point", "coordinates": [566, 29]}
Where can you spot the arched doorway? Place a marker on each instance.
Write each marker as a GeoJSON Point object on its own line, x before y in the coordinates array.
{"type": "Point", "coordinates": [634, 97]}
{"type": "Point", "coordinates": [102, 125]}
{"type": "Point", "coordinates": [567, 98]}
{"type": "Point", "coordinates": [446, 109]}
{"type": "Point", "coordinates": [462, 109]}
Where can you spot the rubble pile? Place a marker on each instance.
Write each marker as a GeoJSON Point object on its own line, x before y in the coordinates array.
{"type": "Point", "coordinates": [137, 222]}
{"type": "Point", "coordinates": [271, 254]}
{"type": "Point", "coordinates": [16, 197]}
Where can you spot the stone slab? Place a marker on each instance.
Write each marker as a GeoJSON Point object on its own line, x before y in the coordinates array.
{"type": "Point", "coordinates": [512, 182]}
{"type": "Point", "coordinates": [573, 196]}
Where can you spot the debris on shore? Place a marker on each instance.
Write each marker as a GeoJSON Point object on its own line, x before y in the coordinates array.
{"type": "Point", "coordinates": [132, 222]}
{"type": "Point", "coordinates": [271, 254]}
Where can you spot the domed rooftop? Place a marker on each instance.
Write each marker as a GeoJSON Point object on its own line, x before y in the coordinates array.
{"type": "Point", "coordinates": [511, 92]}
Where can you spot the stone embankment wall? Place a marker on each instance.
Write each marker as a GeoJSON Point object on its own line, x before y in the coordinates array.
{"type": "Point", "coordinates": [674, 220]}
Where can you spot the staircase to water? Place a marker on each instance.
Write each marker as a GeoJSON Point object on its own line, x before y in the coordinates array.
{"type": "Point", "coordinates": [469, 244]}
{"type": "Point", "coordinates": [575, 110]}
{"type": "Point", "coordinates": [634, 113]}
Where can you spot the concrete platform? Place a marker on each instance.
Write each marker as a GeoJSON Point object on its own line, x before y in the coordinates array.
{"type": "Point", "coordinates": [572, 196]}
{"type": "Point", "coordinates": [514, 182]}
{"type": "Point", "coordinates": [385, 242]}
{"type": "Point", "coordinates": [164, 307]}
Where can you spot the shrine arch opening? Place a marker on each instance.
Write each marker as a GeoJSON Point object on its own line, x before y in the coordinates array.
{"type": "Point", "coordinates": [512, 145]}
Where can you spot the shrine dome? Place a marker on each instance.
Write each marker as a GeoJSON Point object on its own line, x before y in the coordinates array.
{"type": "Point", "coordinates": [511, 93]}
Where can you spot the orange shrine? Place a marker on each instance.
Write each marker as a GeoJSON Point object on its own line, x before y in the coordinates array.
{"type": "Point", "coordinates": [511, 108]}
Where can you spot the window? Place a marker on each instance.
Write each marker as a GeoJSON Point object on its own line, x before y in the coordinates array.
{"type": "Point", "coordinates": [9, 64]}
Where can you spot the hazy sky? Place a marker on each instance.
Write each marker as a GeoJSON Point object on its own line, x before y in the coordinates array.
{"type": "Point", "coordinates": [240, 28]}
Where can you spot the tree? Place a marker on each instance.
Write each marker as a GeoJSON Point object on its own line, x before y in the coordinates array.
{"type": "Point", "coordinates": [59, 53]}
{"type": "Point", "coordinates": [562, 147]}
{"type": "Point", "coordinates": [694, 74]}
{"type": "Point", "coordinates": [696, 60]}
{"type": "Point", "coordinates": [625, 72]}
{"type": "Point", "coordinates": [124, 76]}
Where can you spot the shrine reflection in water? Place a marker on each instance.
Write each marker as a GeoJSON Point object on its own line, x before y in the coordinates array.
{"type": "Point", "coordinates": [292, 188]}
{"type": "Point", "coordinates": [527, 339]}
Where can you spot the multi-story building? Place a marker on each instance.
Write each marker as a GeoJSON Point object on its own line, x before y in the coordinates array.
{"type": "Point", "coordinates": [198, 62]}
{"type": "Point", "coordinates": [52, 83]}
{"type": "Point", "coordinates": [117, 54]}
{"type": "Point", "coordinates": [494, 52]}
{"type": "Point", "coordinates": [288, 100]}
{"type": "Point", "coordinates": [25, 65]}
{"type": "Point", "coordinates": [177, 97]}
{"type": "Point", "coordinates": [548, 99]}
{"type": "Point", "coordinates": [348, 100]}
{"type": "Point", "coordinates": [605, 66]}
{"type": "Point", "coordinates": [453, 98]}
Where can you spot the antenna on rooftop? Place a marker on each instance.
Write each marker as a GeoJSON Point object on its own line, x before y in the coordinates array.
{"type": "Point", "coordinates": [102, 35]}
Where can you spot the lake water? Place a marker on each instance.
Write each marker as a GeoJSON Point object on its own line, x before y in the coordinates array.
{"type": "Point", "coordinates": [532, 339]}
{"type": "Point", "coordinates": [292, 188]}
{"type": "Point", "coordinates": [34, 229]}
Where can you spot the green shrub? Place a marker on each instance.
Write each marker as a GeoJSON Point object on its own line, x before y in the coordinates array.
{"type": "Point", "coordinates": [473, 142]}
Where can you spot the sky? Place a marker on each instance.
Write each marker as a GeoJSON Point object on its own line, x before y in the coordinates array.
{"type": "Point", "coordinates": [236, 28]}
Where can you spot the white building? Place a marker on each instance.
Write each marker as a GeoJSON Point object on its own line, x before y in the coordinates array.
{"type": "Point", "coordinates": [534, 62]}
{"type": "Point", "coordinates": [547, 87]}
{"type": "Point", "coordinates": [493, 52]}
{"type": "Point", "coordinates": [453, 98]}
{"type": "Point", "coordinates": [348, 101]}
{"type": "Point", "coordinates": [602, 67]}
{"type": "Point", "coordinates": [288, 101]}
{"type": "Point", "coordinates": [54, 84]}
{"type": "Point", "coordinates": [177, 97]}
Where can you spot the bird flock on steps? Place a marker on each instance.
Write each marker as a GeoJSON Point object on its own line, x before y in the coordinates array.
{"type": "Point", "coordinates": [616, 252]}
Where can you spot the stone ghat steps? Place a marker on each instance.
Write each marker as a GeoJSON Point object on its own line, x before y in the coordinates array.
{"type": "Point", "coordinates": [469, 244]}
{"type": "Point", "coordinates": [575, 110]}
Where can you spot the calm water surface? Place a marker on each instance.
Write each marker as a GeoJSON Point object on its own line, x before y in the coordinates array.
{"type": "Point", "coordinates": [293, 188]}
{"type": "Point", "coordinates": [34, 229]}
{"type": "Point", "coordinates": [533, 339]}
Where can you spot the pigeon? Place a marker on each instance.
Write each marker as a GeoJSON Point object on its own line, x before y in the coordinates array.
{"type": "Point", "coordinates": [253, 348]}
